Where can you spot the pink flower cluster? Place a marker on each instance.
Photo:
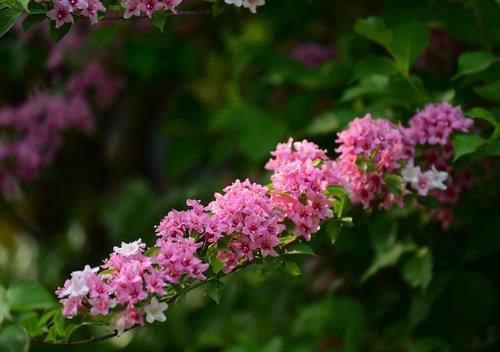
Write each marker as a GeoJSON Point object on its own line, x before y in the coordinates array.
{"type": "Point", "coordinates": [136, 7]}
{"type": "Point", "coordinates": [246, 210]}
{"type": "Point", "coordinates": [63, 10]}
{"type": "Point", "coordinates": [302, 173]}
{"type": "Point", "coordinates": [434, 126]}
{"type": "Point", "coordinates": [34, 135]}
{"type": "Point", "coordinates": [32, 132]}
{"type": "Point", "coordinates": [436, 122]}
{"type": "Point", "coordinates": [369, 150]}
{"type": "Point", "coordinates": [246, 220]}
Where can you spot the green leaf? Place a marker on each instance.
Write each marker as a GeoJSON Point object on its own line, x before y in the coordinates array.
{"type": "Point", "coordinates": [27, 295]}
{"type": "Point", "coordinates": [291, 268]}
{"type": "Point", "coordinates": [270, 263]}
{"type": "Point", "coordinates": [483, 114]}
{"type": "Point", "coordinates": [13, 339]}
{"type": "Point", "coordinates": [300, 248]}
{"type": "Point", "coordinates": [213, 289]}
{"type": "Point", "coordinates": [408, 42]}
{"type": "Point", "coordinates": [473, 62]}
{"type": "Point", "coordinates": [32, 20]}
{"type": "Point", "coordinates": [29, 321]}
{"type": "Point", "coordinates": [370, 85]}
{"type": "Point", "coordinates": [491, 149]}
{"type": "Point", "coordinates": [374, 65]}
{"type": "Point", "coordinates": [464, 144]}
{"type": "Point", "coordinates": [216, 263]}
{"type": "Point", "coordinates": [56, 34]}
{"type": "Point", "coordinates": [324, 124]}
{"type": "Point", "coordinates": [387, 258]}
{"type": "Point", "coordinates": [107, 271]}
{"type": "Point", "coordinates": [417, 271]}
{"type": "Point", "coordinates": [159, 19]}
{"type": "Point", "coordinates": [151, 252]}
{"type": "Point", "coordinates": [8, 17]}
{"type": "Point", "coordinates": [394, 183]}
{"type": "Point", "coordinates": [60, 330]}
{"type": "Point", "coordinates": [374, 28]}
{"type": "Point", "coordinates": [333, 231]}
{"type": "Point", "coordinates": [4, 306]}
{"type": "Point", "coordinates": [341, 201]}
{"type": "Point", "coordinates": [37, 9]}
{"type": "Point", "coordinates": [489, 91]}
{"type": "Point", "coordinates": [24, 4]}
{"type": "Point", "coordinates": [405, 43]}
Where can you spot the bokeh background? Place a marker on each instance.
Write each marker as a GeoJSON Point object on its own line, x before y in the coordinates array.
{"type": "Point", "coordinates": [181, 113]}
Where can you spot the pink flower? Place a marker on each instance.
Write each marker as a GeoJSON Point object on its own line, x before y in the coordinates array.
{"type": "Point", "coordinates": [436, 122]}
{"type": "Point", "coordinates": [92, 9]}
{"type": "Point", "coordinates": [150, 6]}
{"type": "Point", "coordinates": [101, 305]}
{"type": "Point", "coordinates": [172, 5]}
{"type": "Point", "coordinates": [73, 5]}
{"type": "Point", "coordinates": [132, 8]}
{"type": "Point", "coordinates": [61, 14]}
{"type": "Point", "coordinates": [71, 306]}
{"type": "Point", "coordinates": [423, 184]}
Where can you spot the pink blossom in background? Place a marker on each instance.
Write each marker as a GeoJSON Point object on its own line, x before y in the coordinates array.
{"type": "Point", "coordinates": [95, 78]}
{"type": "Point", "coordinates": [35, 128]}
{"type": "Point", "coordinates": [313, 55]}
{"type": "Point", "coordinates": [436, 122]}
{"type": "Point", "coordinates": [71, 43]}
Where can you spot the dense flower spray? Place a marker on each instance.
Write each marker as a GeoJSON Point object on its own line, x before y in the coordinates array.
{"type": "Point", "coordinates": [249, 221]}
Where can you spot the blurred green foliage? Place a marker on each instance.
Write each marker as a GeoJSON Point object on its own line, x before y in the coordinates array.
{"type": "Point", "coordinates": [205, 102]}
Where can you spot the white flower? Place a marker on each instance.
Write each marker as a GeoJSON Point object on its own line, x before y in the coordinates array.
{"type": "Point", "coordinates": [128, 249]}
{"type": "Point", "coordinates": [253, 4]}
{"type": "Point", "coordinates": [437, 178]}
{"type": "Point", "coordinates": [236, 3]}
{"type": "Point", "coordinates": [154, 311]}
{"type": "Point", "coordinates": [79, 285]}
{"type": "Point", "coordinates": [410, 172]}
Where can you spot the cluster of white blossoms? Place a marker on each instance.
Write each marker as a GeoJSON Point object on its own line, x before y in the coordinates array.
{"type": "Point", "coordinates": [128, 249]}
{"type": "Point", "coordinates": [249, 4]}
{"type": "Point", "coordinates": [423, 181]}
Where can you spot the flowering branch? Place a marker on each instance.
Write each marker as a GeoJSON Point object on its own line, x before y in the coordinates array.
{"type": "Point", "coordinates": [168, 14]}
{"type": "Point", "coordinates": [65, 12]}
{"type": "Point", "coordinates": [378, 165]}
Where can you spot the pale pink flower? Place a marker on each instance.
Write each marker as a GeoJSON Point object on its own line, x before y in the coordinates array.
{"type": "Point", "coordinates": [61, 14]}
